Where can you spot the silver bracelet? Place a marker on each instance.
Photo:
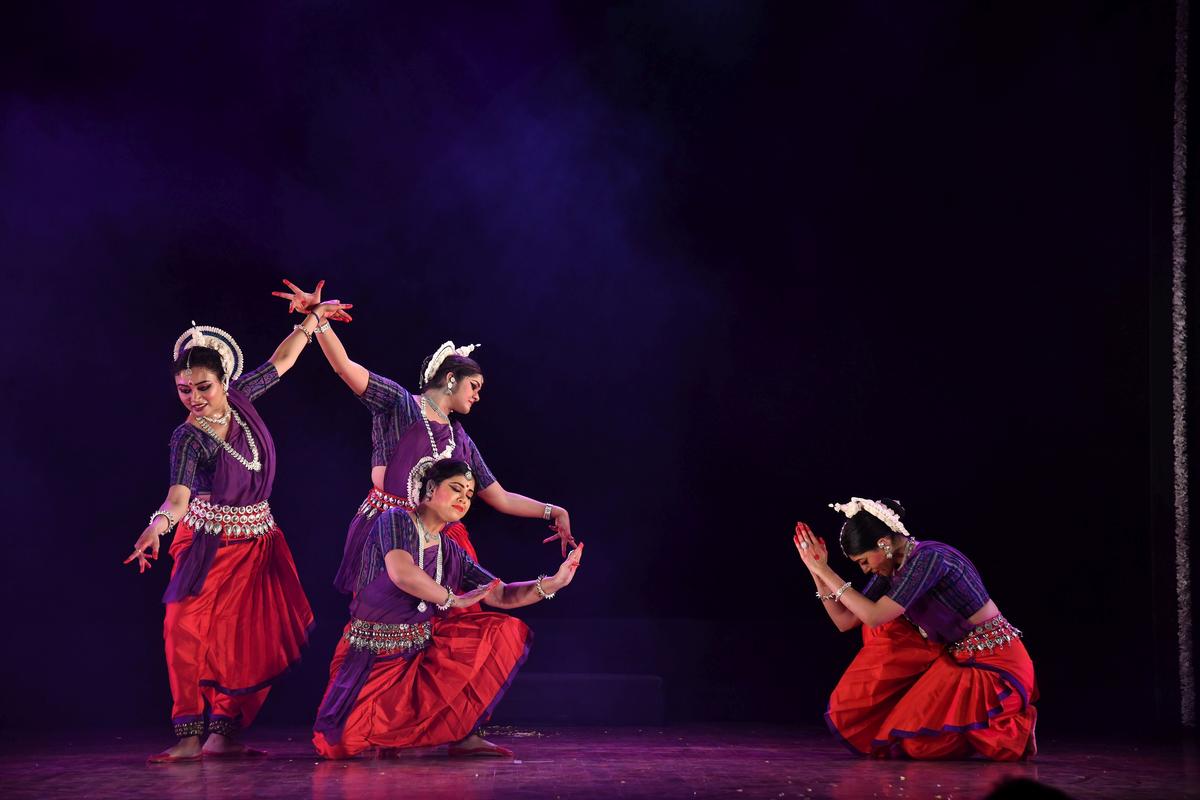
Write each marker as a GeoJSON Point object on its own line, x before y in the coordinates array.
{"type": "Point", "coordinates": [171, 521]}
{"type": "Point", "coordinates": [541, 591]}
{"type": "Point", "coordinates": [450, 598]}
{"type": "Point", "coordinates": [547, 511]}
{"type": "Point", "coordinates": [837, 596]}
{"type": "Point", "coordinates": [321, 328]}
{"type": "Point", "coordinates": [307, 335]}
{"type": "Point", "coordinates": [825, 597]}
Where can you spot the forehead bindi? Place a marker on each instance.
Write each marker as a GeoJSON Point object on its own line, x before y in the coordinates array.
{"type": "Point", "coordinates": [461, 483]}
{"type": "Point", "coordinates": [199, 377]}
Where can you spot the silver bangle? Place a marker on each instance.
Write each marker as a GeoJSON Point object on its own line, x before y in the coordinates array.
{"type": "Point", "coordinates": [321, 327]}
{"type": "Point", "coordinates": [171, 521]}
{"type": "Point", "coordinates": [547, 511]}
{"type": "Point", "coordinates": [837, 596]}
{"type": "Point", "coordinates": [307, 335]}
{"type": "Point", "coordinates": [825, 597]}
{"type": "Point", "coordinates": [538, 585]}
{"type": "Point", "coordinates": [450, 598]}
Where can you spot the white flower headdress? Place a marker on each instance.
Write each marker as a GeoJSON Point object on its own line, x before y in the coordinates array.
{"type": "Point", "coordinates": [876, 509]}
{"type": "Point", "coordinates": [441, 354]}
{"type": "Point", "coordinates": [217, 339]}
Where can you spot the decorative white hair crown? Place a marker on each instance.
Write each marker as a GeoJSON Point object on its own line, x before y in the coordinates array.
{"type": "Point", "coordinates": [441, 354]}
{"type": "Point", "coordinates": [217, 339]}
{"type": "Point", "coordinates": [876, 509]}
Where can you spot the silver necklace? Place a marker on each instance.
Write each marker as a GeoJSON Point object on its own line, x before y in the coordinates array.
{"type": "Point", "coordinates": [254, 465]}
{"type": "Point", "coordinates": [436, 408]}
{"type": "Point", "coordinates": [424, 536]}
{"type": "Point", "coordinates": [218, 420]}
{"type": "Point", "coordinates": [429, 430]}
{"type": "Point", "coordinates": [418, 470]}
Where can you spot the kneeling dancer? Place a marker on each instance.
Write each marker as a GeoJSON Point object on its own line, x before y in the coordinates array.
{"type": "Point", "coordinates": [942, 674]}
{"type": "Point", "coordinates": [406, 673]}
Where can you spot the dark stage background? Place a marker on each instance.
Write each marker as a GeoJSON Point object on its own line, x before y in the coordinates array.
{"type": "Point", "coordinates": [729, 262]}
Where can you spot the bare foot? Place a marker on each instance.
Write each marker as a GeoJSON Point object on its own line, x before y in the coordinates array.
{"type": "Point", "coordinates": [219, 745]}
{"type": "Point", "coordinates": [476, 746]}
{"type": "Point", "coordinates": [186, 748]}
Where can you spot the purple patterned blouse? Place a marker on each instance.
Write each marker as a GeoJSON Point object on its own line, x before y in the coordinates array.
{"type": "Point", "coordinates": [399, 438]}
{"type": "Point", "coordinates": [939, 589]}
{"type": "Point", "coordinates": [199, 462]}
{"type": "Point", "coordinates": [194, 453]}
{"type": "Point", "coordinates": [377, 599]}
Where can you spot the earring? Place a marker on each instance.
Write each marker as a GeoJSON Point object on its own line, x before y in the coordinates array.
{"type": "Point", "coordinates": [450, 385]}
{"type": "Point", "coordinates": [429, 492]}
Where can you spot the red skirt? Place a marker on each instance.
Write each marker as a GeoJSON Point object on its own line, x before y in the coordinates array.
{"type": "Point", "coordinates": [906, 696]}
{"type": "Point", "coordinates": [436, 696]}
{"type": "Point", "coordinates": [244, 629]}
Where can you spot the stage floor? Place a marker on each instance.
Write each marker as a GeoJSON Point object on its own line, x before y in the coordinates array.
{"type": "Point", "coordinates": [592, 762]}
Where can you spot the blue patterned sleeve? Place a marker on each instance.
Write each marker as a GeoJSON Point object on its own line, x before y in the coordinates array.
{"type": "Point", "coordinates": [186, 455]}
{"type": "Point", "coordinates": [394, 530]}
{"type": "Point", "coordinates": [473, 576]}
{"type": "Point", "coordinates": [384, 395]}
{"type": "Point", "coordinates": [875, 588]}
{"type": "Point", "coordinates": [921, 572]}
{"type": "Point", "coordinates": [254, 384]}
{"type": "Point", "coordinates": [483, 476]}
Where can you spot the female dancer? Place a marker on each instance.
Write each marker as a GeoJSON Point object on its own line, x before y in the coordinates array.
{"type": "Point", "coordinates": [408, 433]}
{"type": "Point", "coordinates": [236, 614]}
{"type": "Point", "coordinates": [941, 673]}
{"type": "Point", "coordinates": [406, 675]}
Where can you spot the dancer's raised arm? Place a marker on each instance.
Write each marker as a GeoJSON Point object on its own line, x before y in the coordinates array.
{"type": "Point", "coordinates": [354, 374]}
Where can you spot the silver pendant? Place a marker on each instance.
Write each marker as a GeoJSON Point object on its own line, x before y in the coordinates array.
{"type": "Point", "coordinates": [421, 606]}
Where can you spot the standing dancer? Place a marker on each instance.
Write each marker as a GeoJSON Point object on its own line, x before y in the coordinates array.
{"type": "Point", "coordinates": [401, 678]}
{"type": "Point", "coordinates": [408, 433]}
{"type": "Point", "coordinates": [236, 615]}
{"type": "Point", "coordinates": [942, 674]}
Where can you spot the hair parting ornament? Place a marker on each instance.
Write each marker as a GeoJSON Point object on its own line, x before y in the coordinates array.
{"type": "Point", "coordinates": [441, 354]}
{"type": "Point", "coordinates": [215, 339]}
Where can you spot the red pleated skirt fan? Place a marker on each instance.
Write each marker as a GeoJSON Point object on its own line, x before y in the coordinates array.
{"type": "Point", "coordinates": [245, 628]}
{"type": "Point", "coordinates": [440, 694]}
{"type": "Point", "coordinates": [903, 695]}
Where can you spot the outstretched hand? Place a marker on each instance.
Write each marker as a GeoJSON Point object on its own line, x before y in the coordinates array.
{"type": "Point", "coordinates": [811, 547]}
{"type": "Point", "coordinates": [475, 595]}
{"type": "Point", "coordinates": [310, 302]}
